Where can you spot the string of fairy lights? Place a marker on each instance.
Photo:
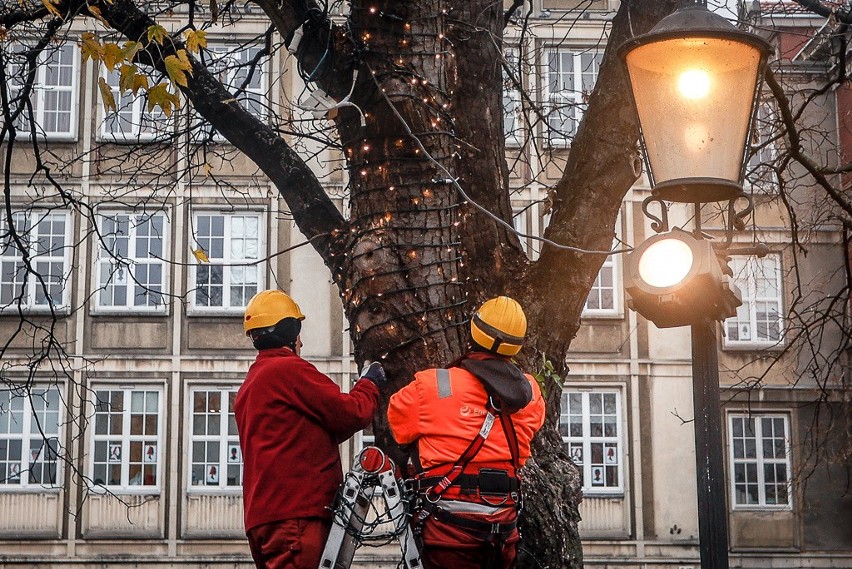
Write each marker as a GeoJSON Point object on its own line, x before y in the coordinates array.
{"type": "Point", "coordinates": [400, 207]}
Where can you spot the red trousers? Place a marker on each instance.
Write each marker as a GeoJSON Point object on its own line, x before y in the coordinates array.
{"type": "Point", "coordinates": [448, 546]}
{"type": "Point", "coordinates": [289, 544]}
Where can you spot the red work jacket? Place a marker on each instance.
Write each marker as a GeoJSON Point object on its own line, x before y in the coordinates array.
{"type": "Point", "coordinates": [290, 419]}
{"type": "Point", "coordinates": [445, 419]}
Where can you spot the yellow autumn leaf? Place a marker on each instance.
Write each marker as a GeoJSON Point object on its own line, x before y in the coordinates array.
{"type": "Point", "coordinates": [157, 33]}
{"type": "Point", "coordinates": [91, 47]}
{"type": "Point", "coordinates": [112, 55]}
{"type": "Point", "coordinates": [140, 81]}
{"type": "Point", "coordinates": [130, 49]}
{"type": "Point", "coordinates": [159, 95]}
{"type": "Point", "coordinates": [126, 75]}
{"type": "Point", "coordinates": [96, 12]}
{"type": "Point", "coordinates": [195, 40]}
{"type": "Point", "coordinates": [200, 255]}
{"type": "Point", "coordinates": [106, 95]}
{"type": "Point", "coordinates": [177, 67]}
{"type": "Point", "coordinates": [52, 8]}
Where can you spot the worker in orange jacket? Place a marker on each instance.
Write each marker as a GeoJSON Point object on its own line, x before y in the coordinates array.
{"type": "Point", "coordinates": [472, 424]}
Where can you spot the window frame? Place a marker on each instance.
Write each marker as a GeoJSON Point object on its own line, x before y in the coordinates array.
{"type": "Point", "coordinates": [101, 257]}
{"type": "Point", "coordinates": [139, 110]}
{"type": "Point", "coordinates": [39, 90]}
{"type": "Point", "coordinates": [221, 488]}
{"type": "Point", "coordinates": [28, 300]}
{"type": "Point", "coordinates": [570, 99]}
{"type": "Point", "coordinates": [750, 297]}
{"type": "Point", "coordinates": [511, 99]}
{"type": "Point", "coordinates": [759, 460]}
{"type": "Point", "coordinates": [26, 436]}
{"type": "Point", "coordinates": [125, 488]}
{"type": "Point", "coordinates": [764, 110]}
{"type": "Point", "coordinates": [216, 50]}
{"type": "Point", "coordinates": [193, 308]}
{"type": "Point", "coordinates": [611, 262]}
{"type": "Point", "coordinates": [587, 440]}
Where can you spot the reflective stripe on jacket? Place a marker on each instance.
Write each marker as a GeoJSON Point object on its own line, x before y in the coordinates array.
{"type": "Point", "coordinates": [443, 411]}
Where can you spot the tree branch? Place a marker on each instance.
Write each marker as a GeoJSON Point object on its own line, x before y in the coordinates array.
{"type": "Point", "coordinates": [821, 9]}
{"type": "Point", "coordinates": [323, 48]}
{"type": "Point", "coordinates": [314, 212]}
{"type": "Point", "coordinates": [795, 148]}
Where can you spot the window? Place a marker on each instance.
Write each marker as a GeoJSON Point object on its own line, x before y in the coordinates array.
{"type": "Point", "coordinates": [242, 70]}
{"type": "Point", "coordinates": [54, 94]}
{"type": "Point", "coordinates": [45, 236]}
{"type": "Point", "coordinates": [512, 99]}
{"type": "Point", "coordinates": [231, 242]}
{"type": "Point", "coordinates": [759, 174]}
{"type": "Point", "coordinates": [29, 437]}
{"type": "Point", "coordinates": [216, 458]}
{"type": "Point", "coordinates": [760, 460]}
{"type": "Point", "coordinates": [758, 321]}
{"type": "Point", "coordinates": [571, 76]}
{"type": "Point", "coordinates": [590, 425]}
{"type": "Point", "coordinates": [131, 269]}
{"type": "Point", "coordinates": [127, 438]}
{"type": "Point", "coordinates": [131, 120]}
{"type": "Point", "coordinates": [602, 299]}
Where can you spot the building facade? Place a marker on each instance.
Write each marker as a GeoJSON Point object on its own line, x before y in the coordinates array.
{"type": "Point", "coordinates": [147, 350]}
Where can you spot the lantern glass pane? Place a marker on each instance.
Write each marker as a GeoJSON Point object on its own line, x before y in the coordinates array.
{"type": "Point", "coordinates": [694, 98]}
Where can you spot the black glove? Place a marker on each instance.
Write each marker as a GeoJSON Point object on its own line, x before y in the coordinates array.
{"type": "Point", "coordinates": [375, 373]}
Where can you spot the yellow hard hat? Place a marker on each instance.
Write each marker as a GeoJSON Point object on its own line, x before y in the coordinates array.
{"type": "Point", "coordinates": [268, 308]}
{"type": "Point", "coordinates": [499, 326]}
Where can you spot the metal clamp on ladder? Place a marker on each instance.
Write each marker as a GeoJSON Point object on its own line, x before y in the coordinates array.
{"type": "Point", "coordinates": [354, 524]}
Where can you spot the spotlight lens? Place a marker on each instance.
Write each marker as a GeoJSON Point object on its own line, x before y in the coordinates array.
{"type": "Point", "coordinates": [665, 263]}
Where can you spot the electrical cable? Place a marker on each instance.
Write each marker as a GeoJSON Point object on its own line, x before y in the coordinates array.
{"type": "Point", "coordinates": [454, 181]}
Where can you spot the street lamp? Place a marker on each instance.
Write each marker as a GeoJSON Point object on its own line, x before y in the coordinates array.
{"type": "Point", "coordinates": [694, 79]}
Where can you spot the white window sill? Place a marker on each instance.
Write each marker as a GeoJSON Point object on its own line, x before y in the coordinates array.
{"type": "Point", "coordinates": [13, 489]}
{"type": "Point", "coordinates": [122, 311]}
{"type": "Point", "coordinates": [753, 346]}
{"type": "Point", "coordinates": [12, 310]}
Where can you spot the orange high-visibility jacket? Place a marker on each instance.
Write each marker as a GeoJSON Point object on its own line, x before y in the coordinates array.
{"type": "Point", "coordinates": [445, 416]}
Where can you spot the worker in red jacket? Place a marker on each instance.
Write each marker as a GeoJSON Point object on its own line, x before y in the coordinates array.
{"type": "Point", "coordinates": [291, 419]}
{"type": "Point", "coordinates": [472, 424]}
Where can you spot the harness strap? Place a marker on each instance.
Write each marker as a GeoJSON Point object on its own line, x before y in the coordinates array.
{"type": "Point", "coordinates": [433, 493]}
{"type": "Point", "coordinates": [504, 529]}
{"type": "Point", "coordinates": [511, 438]}
{"type": "Point", "coordinates": [468, 482]}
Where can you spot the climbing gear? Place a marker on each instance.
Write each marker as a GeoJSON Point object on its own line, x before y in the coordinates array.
{"type": "Point", "coordinates": [499, 326]}
{"type": "Point", "coordinates": [268, 308]}
{"type": "Point", "coordinates": [354, 523]}
{"type": "Point", "coordinates": [488, 482]}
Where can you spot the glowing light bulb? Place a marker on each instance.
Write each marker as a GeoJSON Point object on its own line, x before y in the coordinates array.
{"type": "Point", "coordinates": [666, 263]}
{"type": "Point", "coordinates": [694, 84]}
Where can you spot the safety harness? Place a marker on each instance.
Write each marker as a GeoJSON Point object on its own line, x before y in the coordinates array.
{"type": "Point", "coordinates": [487, 481]}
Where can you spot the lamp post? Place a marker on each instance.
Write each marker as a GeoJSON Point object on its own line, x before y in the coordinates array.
{"type": "Point", "coordinates": [694, 79]}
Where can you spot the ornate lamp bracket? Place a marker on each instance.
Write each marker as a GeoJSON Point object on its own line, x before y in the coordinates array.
{"type": "Point", "coordinates": [658, 224]}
